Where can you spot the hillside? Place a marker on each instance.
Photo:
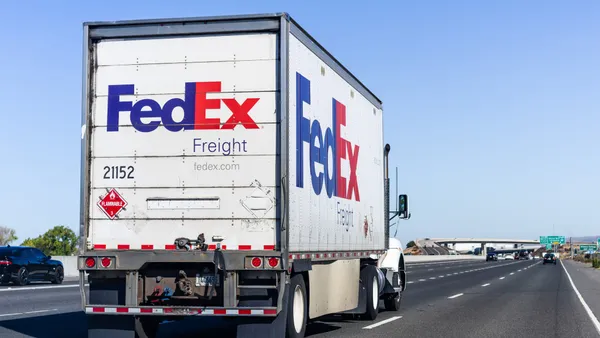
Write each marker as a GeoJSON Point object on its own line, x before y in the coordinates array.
{"type": "Point", "coordinates": [584, 239]}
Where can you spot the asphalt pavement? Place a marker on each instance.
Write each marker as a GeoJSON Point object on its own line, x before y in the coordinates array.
{"type": "Point", "coordinates": [443, 299]}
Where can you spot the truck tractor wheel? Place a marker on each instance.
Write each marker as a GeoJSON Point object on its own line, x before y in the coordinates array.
{"type": "Point", "coordinates": [370, 280]}
{"type": "Point", "coordinates": [392, 302]}
{"type": "Point", "coordinates": [297, 308]}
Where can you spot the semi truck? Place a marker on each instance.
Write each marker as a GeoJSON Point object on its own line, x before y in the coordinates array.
{"type": "Point", "coordinates": [230, 167]}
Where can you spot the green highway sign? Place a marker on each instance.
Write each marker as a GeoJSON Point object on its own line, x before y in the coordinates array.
{"type": "Point", "coordinates": [548, 246]}
{"type": "Point", "coordinates": [587, 247]}
{"type": "Point", "coordinates": [552, 240]}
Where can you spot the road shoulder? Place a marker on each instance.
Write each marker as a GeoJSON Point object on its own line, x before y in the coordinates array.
{"type": "Point", "coordinates": [587, 282]}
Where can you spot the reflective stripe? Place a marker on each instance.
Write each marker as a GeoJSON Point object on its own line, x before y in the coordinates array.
{"type": "Point", "coordinates": [182, 311]}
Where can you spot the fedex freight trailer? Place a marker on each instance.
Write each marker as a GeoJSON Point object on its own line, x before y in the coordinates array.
{"type": "Point", "coordinates": [230, 167]}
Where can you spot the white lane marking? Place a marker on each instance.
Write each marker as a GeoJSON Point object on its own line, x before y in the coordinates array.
{"type": "Point", "coordinates": [40, 311]}
{"type": "Point", "coordinates": [519, 270]}
{"type": "Point", "coordinates": [501, 277]}
{"type": "Point", "coordinates": [486, 284]}
{"type": "Point", "coordinates": [582, 301]}
{"type": "Point", "coordinates": [512, 273]}
{"type": "Point", "coordinates": [410, 282]}
{"type": "Point", "coordinates": [382, 322]}
{"type": "Point", "coordinates": [26, 313]}
{"type": "Point", "coordinates": [456, 273]}
{"type": "Point", "coordinates": [29, 288]}
{"type": "Point", "coordinates": [456, 295]}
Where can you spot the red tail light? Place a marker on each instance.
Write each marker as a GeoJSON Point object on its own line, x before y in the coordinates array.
{"type": "Point", "coordinates": [273, 262]}
{"type": "Point", "coordinates": [256, 262]}
{"type": "Point", "coordinates": [106, 262]}
{"type": "Point", "coordinates": [5, 262]}
{"type": "Point", "coordinates": [90, 262]}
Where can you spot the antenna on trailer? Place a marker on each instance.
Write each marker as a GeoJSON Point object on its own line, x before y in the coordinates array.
{"type": "Point", "coordinates": [396, 185]}
{"type": "Point", "coordinates": [397, 223]}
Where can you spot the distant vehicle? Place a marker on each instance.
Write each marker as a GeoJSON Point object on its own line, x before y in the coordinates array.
{"type": "Point", "coordinates": [509, 257]}
{"type": "Point", "coordinates": [550, 258]}
{"type": "Point", "coordinates": [22, 265]}
{"type": "Point", "coordinates": [491, 256]}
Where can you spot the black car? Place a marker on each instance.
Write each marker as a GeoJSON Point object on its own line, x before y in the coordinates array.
{"type": "Point", "coordinates": [550, 259]}
{"type": "Point", "coordinates": [21, 265]}
{"type": "Point", "coordinates": [491, 256]}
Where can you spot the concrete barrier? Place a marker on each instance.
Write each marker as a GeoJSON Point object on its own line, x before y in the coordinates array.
{"type": "Point", "coordinates": [438, 258]}
{"type": "Point", "coordinates": [70, 262]}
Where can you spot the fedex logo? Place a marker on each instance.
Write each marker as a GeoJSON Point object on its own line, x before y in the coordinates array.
{"type": "Point", "coordinates": [320, 142]}
{"type": "Point", "coordinates": [194, 105]}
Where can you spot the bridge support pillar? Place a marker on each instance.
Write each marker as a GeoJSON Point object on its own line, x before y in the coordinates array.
{"type": "Point", "coordinates": [483, 249]}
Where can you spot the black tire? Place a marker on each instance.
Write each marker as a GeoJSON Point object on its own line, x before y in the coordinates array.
{"type": "Point", "coordinates": [297, 292]}
{"type": "Point", "coordinates": [146, 327]}
{"type": "Point", "coordinates": [392, 302]}
{"type": "Point", "coordinates": [370, 281]}
{"type": "Point", "coordinates": [22, 276]}
{"type": "Point", "coordinates": [59, 276]}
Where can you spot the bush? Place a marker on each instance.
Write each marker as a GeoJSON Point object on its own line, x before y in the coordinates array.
{"type": "Point", "coordinates": [596, 263]}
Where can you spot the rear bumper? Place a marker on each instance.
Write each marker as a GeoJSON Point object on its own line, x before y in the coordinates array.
{"type": "Point", "coordinates": [123, 288]}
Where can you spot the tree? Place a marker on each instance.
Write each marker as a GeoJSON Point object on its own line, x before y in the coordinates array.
{"type": "Point", "coordinates": [410, 244]}
{"type": "Point", "coordinates": [7, 235]}
{"type": "Point", "coordinates": [58, 241]}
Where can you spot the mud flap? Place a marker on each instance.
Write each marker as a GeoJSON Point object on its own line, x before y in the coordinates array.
{"type": "Point", "coordinates": [266, 328]}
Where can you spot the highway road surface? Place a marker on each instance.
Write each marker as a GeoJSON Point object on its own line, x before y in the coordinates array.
{"type": "Point", "coordinates": [445, 299]}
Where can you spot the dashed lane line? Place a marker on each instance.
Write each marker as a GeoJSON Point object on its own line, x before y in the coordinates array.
{"type": "Point", "coordinates": [383, 322]}
{"type": "Point", "coordinates": [26, 313]}
{"type": "Point", "coordinates": [30, 288]}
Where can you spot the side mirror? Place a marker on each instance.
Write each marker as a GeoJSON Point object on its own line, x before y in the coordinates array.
{"type": "Point", "coordinates": [48, 257]}
{"type": "Point", "coordinates": [403, 211]}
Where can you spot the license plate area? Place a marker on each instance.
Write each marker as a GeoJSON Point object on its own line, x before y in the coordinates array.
{"type": "Point", "coordinates": [207, 280]}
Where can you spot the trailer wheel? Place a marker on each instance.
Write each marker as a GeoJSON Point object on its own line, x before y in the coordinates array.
{"type": "Point", "coordinates": [370, 281]}
{"type": "Point", "coordinates": [297, 308]}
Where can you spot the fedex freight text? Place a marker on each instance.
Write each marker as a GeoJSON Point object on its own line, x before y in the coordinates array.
{"type": "Point", "coordinates": [224, 147]}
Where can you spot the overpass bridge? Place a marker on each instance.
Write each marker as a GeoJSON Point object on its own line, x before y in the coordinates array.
{"type": "Point", "coordinates": [482, 241]}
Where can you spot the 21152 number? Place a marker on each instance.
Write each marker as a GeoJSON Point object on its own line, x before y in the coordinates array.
{"type": "Point", "coordinates": [118, 172]}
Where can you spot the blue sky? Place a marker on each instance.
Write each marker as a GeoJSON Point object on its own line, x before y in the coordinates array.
{"type": "Point", "coordinates": [492, 107]}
